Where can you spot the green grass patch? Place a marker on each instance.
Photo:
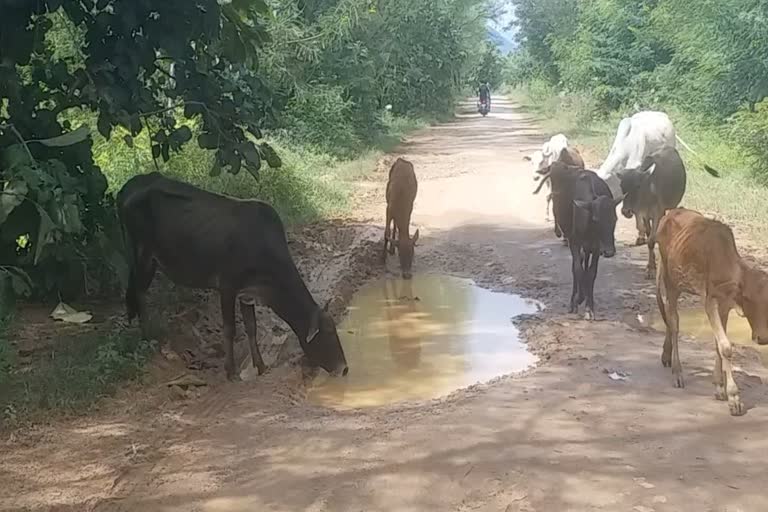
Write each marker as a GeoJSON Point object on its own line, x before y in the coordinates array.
{"type": "Point", "coordinates": [69, 377]}
{"type": "Point", "coordinates": [736, 196]}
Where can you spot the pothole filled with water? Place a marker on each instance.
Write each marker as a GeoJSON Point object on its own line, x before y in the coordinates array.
{"type": "Point", "coordinates": [423, 339]}
{"type": "Point", "coordinates": [694, 323]}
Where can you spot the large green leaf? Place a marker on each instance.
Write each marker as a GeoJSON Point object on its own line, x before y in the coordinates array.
{"type": "Point", "coordinates": [67, 139]}
{"type": "Point", "coordinates": [13, 194]}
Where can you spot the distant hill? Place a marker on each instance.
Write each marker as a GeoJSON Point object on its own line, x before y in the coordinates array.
{"type": "Point", "coordinates": [503, 42]}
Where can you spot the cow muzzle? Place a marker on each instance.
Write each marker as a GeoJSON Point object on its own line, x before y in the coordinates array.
{"type": "Point", "coordinates": [626, 212]}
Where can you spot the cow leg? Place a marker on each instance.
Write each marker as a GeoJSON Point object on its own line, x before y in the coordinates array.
{"type": "Point", "coordinates": [673, 331]}
{"type": "Point", "coordinates": [387, 234]}
{"type": "Point", "coordinates": [718, 377]}
{"type": "Point", "coordinates": [546, 215]}
{"type": "Point", "coordinates": [653, 226]}
{"type": "Point", "coordinates": [577, 270]}
{"type": "Point", "coordinates": [394, 237]}
{"type": "Point", "coordinates": [641, 232]}
{"type": "Point", "coordinates": [248, 312]}
{"type": "Point", "coordinates": [228, 319]}
{"type": "Point", "coordinates": [589, 283]}
{"type": "Point", "coordinates": [140, 278]}
{"type": "Point", "coordinates": [725, 348]}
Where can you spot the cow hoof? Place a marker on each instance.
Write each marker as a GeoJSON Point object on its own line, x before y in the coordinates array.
{"type": "Point", "coordinates": [573, 310]}
{"type": "Point", "coordinates": [650, 273]}
{"type": "Point", "coordinates": [558, 232]}
{"type": "Point", "coordinates": [666, 361]}
{"type": "Point", "coordinates": [641, 240]}
{"type": "Point", "coordinates": [720, 394]}
{"type": "Point", "coordinates": [679, 383]}
{"type": "Point", "coordinates": [261, 369]}
{"type": "Point", "coordinates": [565, 242]}
{"type": "Point", "coordinates": [736, 406]}
{"type": "Point", "coordinates": [589, 315]}
{"type": "Point", "coordinates": [391, 250]}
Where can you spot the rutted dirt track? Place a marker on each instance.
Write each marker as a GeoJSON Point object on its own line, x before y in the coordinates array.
{"type": "Point", "coordinates": [563, 437]}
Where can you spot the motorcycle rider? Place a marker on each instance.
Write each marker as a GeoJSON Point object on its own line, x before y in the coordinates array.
{"type": "Point", "coordinates": [485, 94]}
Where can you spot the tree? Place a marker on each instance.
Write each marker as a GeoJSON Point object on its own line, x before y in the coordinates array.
{"type": "Point", "coordinates": [134, 64]}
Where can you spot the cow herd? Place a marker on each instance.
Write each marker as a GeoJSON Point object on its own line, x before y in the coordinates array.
{"type": "Point", "coordinates": [698, 255]}
{"type": "Point", "coordinates": [239, 247]}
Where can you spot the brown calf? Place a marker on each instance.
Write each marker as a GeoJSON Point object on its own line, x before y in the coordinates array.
{"type": "Point", "coordinates": [699, 256]}
{"type": "Point", "coordinates": [401, 192]}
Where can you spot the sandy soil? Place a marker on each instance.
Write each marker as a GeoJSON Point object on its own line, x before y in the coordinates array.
{"type": "Point", "coordinates": [563, 437]}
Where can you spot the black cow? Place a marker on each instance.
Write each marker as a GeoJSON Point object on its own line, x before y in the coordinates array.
{"type": "Point", "coordinates": [652, 190]}
{"type": "Point", "coordinates": [238, 247]}
{"type": "Point", "coordinates": [585, 210]}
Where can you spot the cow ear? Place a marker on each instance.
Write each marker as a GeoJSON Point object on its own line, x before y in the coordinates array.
{"type": "Point", "coordinates": [619, 200]}
{"type": "Point", "coordinates": [416, 237]}
{"type": "Point", "coordinates": [584, 205]}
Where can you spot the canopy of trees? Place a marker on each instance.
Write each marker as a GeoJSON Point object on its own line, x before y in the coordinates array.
{"type": "Point", "coordinates": [708, 57]}
{"type": "Point", "coordinates": [222, 74]}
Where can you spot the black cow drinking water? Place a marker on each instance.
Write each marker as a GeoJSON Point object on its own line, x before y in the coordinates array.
{"type": "Point", "coordinates": [238, 247]}
{"type": "Point", "coordinates": [585, 210]}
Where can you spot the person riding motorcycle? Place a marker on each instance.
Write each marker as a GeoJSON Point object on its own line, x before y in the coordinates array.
{"type": "Point", "coordinates": [485, 94]}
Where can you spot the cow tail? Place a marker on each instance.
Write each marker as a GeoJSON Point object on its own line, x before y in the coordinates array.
{"type": "Point", "coordinates": [709, 169]}
{"type": "Point", "coordinates": [659, 287]}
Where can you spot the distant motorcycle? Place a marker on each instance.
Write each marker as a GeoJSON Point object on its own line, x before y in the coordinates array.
{"type": "Point", "coordinates": [483, 107]}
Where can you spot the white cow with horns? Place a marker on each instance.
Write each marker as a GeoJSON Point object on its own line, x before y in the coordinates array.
{"type": "Point", "coordinates": [639, 140]}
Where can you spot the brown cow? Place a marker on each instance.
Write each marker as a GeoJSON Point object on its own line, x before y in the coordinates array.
{"type": "Point", "coordinates": [699, 256]}
{"type": "Point", "coordinates": [401, 192]}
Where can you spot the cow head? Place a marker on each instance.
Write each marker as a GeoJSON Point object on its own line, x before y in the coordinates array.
{"type": "Point", "coordinates": [322, 345]}
{"type": "Point", "coordinates": [538, 162]}
{"type": "Point", "coordinates": [754, 302]}
{"type": "Point", "coordinates": [405, 250]}
{"type": "Point", "coordinates": [602, 212]}
{"type": "Point", "coordinates": [634, 184]}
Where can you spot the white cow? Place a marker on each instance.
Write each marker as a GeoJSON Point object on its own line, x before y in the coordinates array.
{"type": "Point", "coordinates": [555, 149]}
{"type": "Point", "coordinates": [640, 139]}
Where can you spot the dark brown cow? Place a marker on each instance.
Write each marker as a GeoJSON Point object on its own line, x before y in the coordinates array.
{"type": "Point", "coordinates": [586, 212]}
{"type": "Point", "coordinates": [238, 247]}
{"type": "Point", "coordinates": [699, 256]}
{"type": "Point", "coordinates": [401, 192]}
{"type": "Point", "coordinates": [650, 192]}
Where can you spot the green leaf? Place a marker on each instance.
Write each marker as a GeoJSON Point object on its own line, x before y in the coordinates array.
{"type": "Point", "coordinates": [216, 168]}
{"type": "Point", "coordinates": [155, 150]}
{"type": "Point", "coordinates": [14, 156]}
{"type": "Point", "coordinates": [13, 195]}
{"type": "Point", "coordinates": [207, 140]}
{"type": "Point", "coordinates": [271, 156]}
{"type": "Point", "coordinates": [68, 139]}
{"type": "Point", "coordinates": [128, 141]}
{"type": "Point", "coordinates": [20, 280]}
{"type": "Point", "coordinates": [43, 234]}
{"type": "Point", "coordinates": [104, 126]}
{"type": "Point", "coordinates": [252, 158]}
{"type": "Point", "coordinates": [182, 135]}
{"type": "Point", "coordinates": [165, 151]}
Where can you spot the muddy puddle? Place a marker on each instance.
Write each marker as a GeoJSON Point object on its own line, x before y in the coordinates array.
{"type": "Point", "coordinates": [694, 323]}
{"type": "Point", "coordinates": [423, 339]}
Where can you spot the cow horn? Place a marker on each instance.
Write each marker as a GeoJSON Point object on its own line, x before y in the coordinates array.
{"type": "Point", "coordinates": [538, 189]}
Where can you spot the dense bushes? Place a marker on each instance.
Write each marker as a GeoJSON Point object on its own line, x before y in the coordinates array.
{"type": "Point", "coordinates": [708, 59]}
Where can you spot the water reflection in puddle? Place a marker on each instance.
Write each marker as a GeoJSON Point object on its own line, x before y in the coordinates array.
{"type": "Point", "coordinates": [423, 339]}
{"type": "Point", "coordinates": [694, 323]}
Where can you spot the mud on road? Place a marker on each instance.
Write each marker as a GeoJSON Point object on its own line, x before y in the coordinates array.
{"type": "Point", "coordinates": [563, 436]}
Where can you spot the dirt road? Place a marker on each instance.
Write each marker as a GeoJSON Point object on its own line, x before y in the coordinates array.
{"type": "Point", "coordinates": [564, 437]}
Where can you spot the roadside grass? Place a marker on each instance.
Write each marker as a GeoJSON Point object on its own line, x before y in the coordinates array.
{"type": "Point", "coordinates": [736, 197]}
{"type": "Point", "coordinates": [67, 378]}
